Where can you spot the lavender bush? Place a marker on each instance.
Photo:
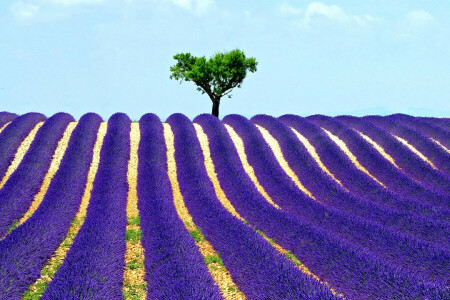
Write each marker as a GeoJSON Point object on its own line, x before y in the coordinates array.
{"type": "Point", "coordinates": [256, 267]}
{"type": "Point", "coordinates": [93, 268]}
{"type": "Point", "coordinates": [174, 267]}
{"type": "Point", "coordinates": [13, 135]}
{"type": "Point", "coordinates": [25, 251]}
{"type": "Point", "coordinates": [18, 192]}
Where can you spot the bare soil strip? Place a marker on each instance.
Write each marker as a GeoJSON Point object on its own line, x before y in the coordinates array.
{"type": "Point", "coordinates": [20, 153]}
{"type": "Point", "coordinates": [134, 285]}
{"type": "Point", "coordinates": [415, 151]}
{"type": "Point", "coordinates": [379, 149]}
{"type": "Point", "coordinates": [219, 273]}
{"type": "Point", "coordinates": [210, 168]}
{"type": "Point", "coordinates": [239, 144]}
{"type": "Point", "coordinates": [312, 151]}
{"type": "Point", "coordinates": [276, 149]}
{"type": "Point", "coordinates": [54, 166]}
{"type": "Point", "coordinates": [47, 273]}
{"type": "Point", "coordinates": [436, 141]}
{"type": "Point", "coordinates": [4, 126]}
{"type": "Point", "coordinates": [352, 157]}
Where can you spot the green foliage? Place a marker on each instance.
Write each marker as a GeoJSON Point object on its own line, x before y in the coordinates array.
{"type": "Point", "coordinates": [210, 259]}
{"type": "Point", "coordinates": [133, 235]}
{"type": "Point", "coordinates": [292, 258]}
{"type": "Point", "coordinates": [216, 76]}
{"type": "Point", "coordinates": [134, 221]}
{"type": "Point", "coordinates": [13, 226]}
{"type": "Point", "coordinates": [135, 264]}
{"type": "Point", "coordinates": [197, 235]}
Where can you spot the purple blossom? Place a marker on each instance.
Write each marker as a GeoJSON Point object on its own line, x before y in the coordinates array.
{"type": "Point", "coordinates": [19, 191]}
{"type": "Point", "coordinates": [25, 251]}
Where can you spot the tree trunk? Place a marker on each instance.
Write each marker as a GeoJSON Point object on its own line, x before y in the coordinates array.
{"type": "Point", "coordinates": [215, 108]}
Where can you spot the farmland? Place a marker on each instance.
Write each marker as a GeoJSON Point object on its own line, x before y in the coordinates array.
{"type": "Point", "coordinates": [262, 208]}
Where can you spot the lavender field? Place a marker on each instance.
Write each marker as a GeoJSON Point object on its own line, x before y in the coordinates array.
{"type": "Point", "coordinates": [262, 208]}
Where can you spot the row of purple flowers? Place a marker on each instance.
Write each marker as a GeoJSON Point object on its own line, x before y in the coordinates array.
{"type": "Point", "coordinates": [348, 268]}
{"type": "Point", "coordinates": [428, 129]}
{"type": "Point", "coordinates": [93, 268]}
{"type": "Point", "coordinates": [174, 266]}
{"type": "Point", "coordinates": [394, 179]}
{"type": "Point", "coordinates": [367, 242]}
{"type": "Point", "coordinates": [436, 154]}
{"type": "Point", "coordinates": [356, 182]}
{"type": "Point", "coordinates": [13, 135]}
{"type": "Point", "coordinates": [19, 191]}
{"type": "Point", "coordinates": [26, 250]}
{"type": "Point", "coordinates": [336, 214]}
{"type": "Point", "coordinates": [255, 266]}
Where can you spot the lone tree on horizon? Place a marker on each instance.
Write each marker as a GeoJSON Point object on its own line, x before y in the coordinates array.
{"type": "Point", "coordinates": [217, 76]}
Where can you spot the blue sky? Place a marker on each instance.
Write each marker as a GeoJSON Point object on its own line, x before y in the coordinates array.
{"type": "Point", "coordinates": [328, 57]}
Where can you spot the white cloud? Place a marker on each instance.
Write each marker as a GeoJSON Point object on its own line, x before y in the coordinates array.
{"type": "Point", "coordinates": [415, 24]}
{"type": "Point", "coordinates": [331, 12]}
{"type": "Point", "coordinates": [74, 2]}
{"type": "Point", "coordinates": [419, 18]}
{"type": "Point", "coordinates": [197, 6]}
{"type": "Point", "coordinates": [288, 9]}
{"type": "Point", "coordinates": [22, 10]}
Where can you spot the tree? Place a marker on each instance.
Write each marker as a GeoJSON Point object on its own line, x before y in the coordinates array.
{"type": "Point", "coordinates": [217, 76]}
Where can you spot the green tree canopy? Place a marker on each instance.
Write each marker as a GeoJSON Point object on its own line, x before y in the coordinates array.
{"type": "Point", "coordinates": [217, 76]}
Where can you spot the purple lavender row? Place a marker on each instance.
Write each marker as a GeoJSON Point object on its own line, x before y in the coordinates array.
{"type": "Point", "coordinates": [93, 268]}
{"type": "Point", "coordinates": [357, 182]}
{"type": "Point", "coordinates": [336, 215]}
{"type": "Point", "coordinates": [13, 135]}
{"type": "Point", "coordinates": [348, 269]}
{"type": "Point", "coordinates": [426, 128]}
{"type": "Point", "coordinates": [379, 167]}
{"type": "Point", "coordinates": [18, 192]}
{"type": "Point", "coordinates": [174, 266]}
{"type": "Point", "coordinates": [410, 163]}
{"type": "Point", "coordinates": [442, 122]}
{"type": "Point", "coordinates": [438, 156]}
{"type": "Point", "coordinates": [6, 117]}
{"type": "Point", "coordinates": [25, 251]}
{"type": "Point", "coordinates": [255, 266]}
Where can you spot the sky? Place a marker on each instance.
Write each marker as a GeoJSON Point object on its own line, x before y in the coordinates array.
{"type": "Point", "coordinates": [314, 57]}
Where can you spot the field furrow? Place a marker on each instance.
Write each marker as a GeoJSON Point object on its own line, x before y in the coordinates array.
{"type": "Point", "coordinates": [257, 268]}
{"type": "Point", "coordinates": [5, 119]}
{"type": "Point", "coordinates": [394, 179]}
{"type": "Point", "coordinates": [312, 151]}
{"type": "Point", "coordinates": [209, 165]}
{"type": "Point", "coordinates": [357, 182]}
{"type": "Point", "coordinates": [264, 208]}
{"type": "Point", "coordinates": [429, 130]}
{"type": "Point", "coordinates": [174, 265]}
{"type": "Point", "coordinates": [237, 141]}
{"type": "Point", "coordinates": [25, 183]}
{"type": "Point", "coordinates": [417, 143]}
{"type": "Point", "coordinates": [405, 160]}
{"type": "Point", "coordinates": [4, 126]}
{"type": "Point", "coordinates": [20, 153]}
{"type": "Point", "coordinates": [134, 285]}
{"type": "Point", "coordinates": [324, 188]}
{"type": "Point", "coordinates": [61, 148]}
{"type": "Point", "coordinates": [48, 272]}
{"type": "Point", "coordinates": [25, 251]}
{"type": "Point", "coordinates": [444, 123]}
{"type": "Point", "coordinates": [94, 264]}
{"type": "Point", "coordinates": [384, 242]}
{"type": "Point", "coordinates": [440, 145]}
{"type": "Point", "coordinates": [210, 255]}
{"type": "Point", "coordinates": [312, 246]}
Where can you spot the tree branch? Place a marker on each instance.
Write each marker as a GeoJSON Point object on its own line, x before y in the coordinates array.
{"type": "Point", "coordinates": [207, 91]}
